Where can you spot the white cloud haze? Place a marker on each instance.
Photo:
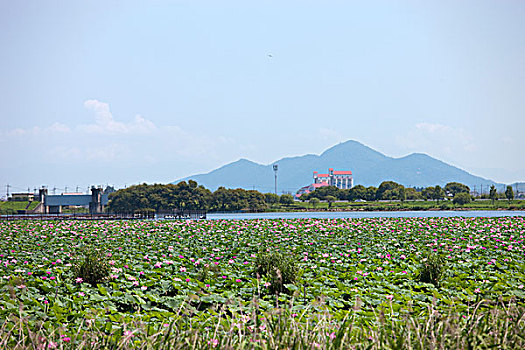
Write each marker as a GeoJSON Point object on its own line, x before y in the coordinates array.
{"type": "Point", "coordinates": [105, 124]}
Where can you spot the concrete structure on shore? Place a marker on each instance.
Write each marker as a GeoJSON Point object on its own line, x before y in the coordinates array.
{"type": "Point", "coordinates": [22, 197]}
{"type": "Point", "coordinates": [53, 203]}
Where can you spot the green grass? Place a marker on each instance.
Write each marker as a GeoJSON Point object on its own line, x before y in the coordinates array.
{"type": "Point", "coordinates": [498, 328]}
{"type": "Point", "coordinates": [407, 205]}
{"type": "Point", "coordinates": [12, 207]}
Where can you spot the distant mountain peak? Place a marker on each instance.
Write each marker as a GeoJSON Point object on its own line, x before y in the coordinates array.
{"type": "Point", "coordinates": [416, 155]}
{"type": "Point", "coordinates": [243, 160]}
{"type": "Point", "coordinates": [368, 166]}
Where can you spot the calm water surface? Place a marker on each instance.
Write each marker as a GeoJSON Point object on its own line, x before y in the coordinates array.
{"type": "Point", "coordinates": [366, 214]}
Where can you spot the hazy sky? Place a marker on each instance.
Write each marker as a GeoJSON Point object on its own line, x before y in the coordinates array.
{"type": "Point", "coordinates": [123, 92]}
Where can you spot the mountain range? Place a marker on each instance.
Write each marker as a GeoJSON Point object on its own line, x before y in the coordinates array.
{"type": "Point", "coordinates": [369, 168]}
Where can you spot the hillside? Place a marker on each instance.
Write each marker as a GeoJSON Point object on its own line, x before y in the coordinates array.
{"type": "Point", "coordinates": [369, 168]}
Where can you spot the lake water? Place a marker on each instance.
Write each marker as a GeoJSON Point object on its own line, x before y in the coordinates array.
{"type": "Point", "coordinates": [366, 214]}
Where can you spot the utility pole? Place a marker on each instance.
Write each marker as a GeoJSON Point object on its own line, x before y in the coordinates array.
{"type": "Point", "coordinates": [7, 193]}
{"type": "Point", "coordinates": [275, 168]}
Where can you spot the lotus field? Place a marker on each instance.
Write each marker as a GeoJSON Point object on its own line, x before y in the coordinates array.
{"type": "Point", "coordinates": [303, 283]}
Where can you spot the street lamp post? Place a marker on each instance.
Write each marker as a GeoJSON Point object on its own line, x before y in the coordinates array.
{"type": "Point", "coordinates": [275, 168]}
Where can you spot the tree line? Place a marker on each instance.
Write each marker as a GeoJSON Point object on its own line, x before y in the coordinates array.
{"type": "Point", "coordinates": [191, 196]}
{"type": "Point", "coordinates": [390, 190]}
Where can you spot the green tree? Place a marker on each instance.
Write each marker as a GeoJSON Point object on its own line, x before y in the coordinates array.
{"type": "Point", "coordinates": [509, 193]}
{"type": "Point", "coordinates": [323, 192]}
{"type": "Point", "coordinates": [390, 190]}
{"type": "Point", "coordinates": [401, 193]}
{"type": "Point", "coordinates": [493, 194]}
{"type": "Point", "coordinates": [462, 198]}
{"type": "Point", "coordinates": [386, 190]}
{"type": "Point", "coordinates": [371, 193]}
{"type": "Point", "coordinates": [428, 193]}
{"type": "Point", "coordinates": [286, 199]}
{"type": "Point", "coordinates": [271, 198]}
{"type": "Point", "coordinates": [330, 200]}
{"type": "Point", "coordinates": [314, 201]}
{"type": "Point", "coordinates": [413, 194]}
{"type": "Point", "coordinates": [356, 192]}
{"type": "Point", "coordinates": [221, 200]}
{"type": "Point", "coordinates": [438, 193]}
{"type": "Point", "coordinates": [454, 188]}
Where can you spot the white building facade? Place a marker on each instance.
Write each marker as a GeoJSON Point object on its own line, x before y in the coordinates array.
{"type": "Point", "coordinates": [340, 179]}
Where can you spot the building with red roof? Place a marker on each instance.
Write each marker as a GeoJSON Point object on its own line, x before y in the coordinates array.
{"type": "Point", "coordinates": [340, 179]}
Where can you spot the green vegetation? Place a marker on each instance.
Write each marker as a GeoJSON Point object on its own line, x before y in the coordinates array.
{"type": "Point", "coordinates": [279, 270]}
{"type": "Point", "coordinates": [286, 200]}
{"type": "Point", "coordinates": [91, 268]}
{"type": "Point", "coordinates": [348, 283]}
{"type": "Point", "coordinates": [431, 269]}
{"type": "Point", "coordinates": [454, 188]}
{"type": "Point", "coordinates": [462, 198]}
{"type": "Point", "coordinates": [315, 204]}
{"type": "Point", "coordinates": [143, 198]}
{"type": "Point", "coordinates": [509, 193]}
{"type": "Point", "coordinates": [148, 199]}
{"type": "Point", "coordinates": [12, 207]}
{"type": "Point", "coordinates": [493, 195]}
